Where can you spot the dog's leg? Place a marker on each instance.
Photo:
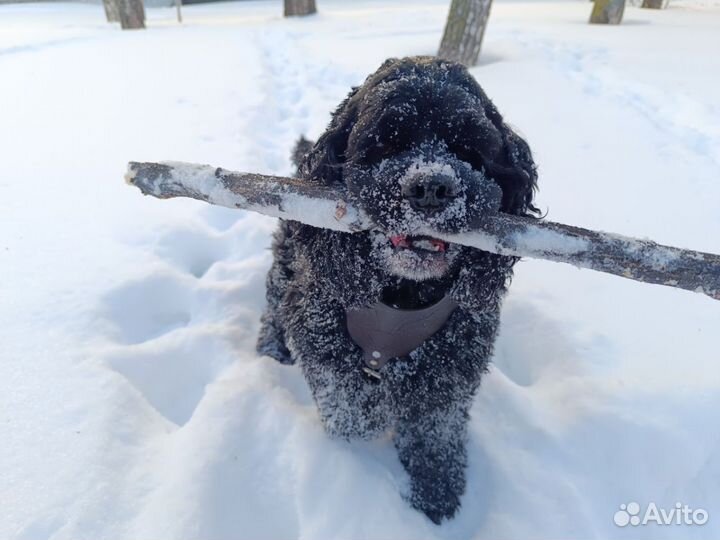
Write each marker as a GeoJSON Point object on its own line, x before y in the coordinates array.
{"type": "Point", "coordinates": [432, 392]}
{"type": "Point", "coordinates": [271, 340]}
{"type": "Point", "coordinates": [432, 448]}
{"type": "Point", "coordinates": [351, 405]}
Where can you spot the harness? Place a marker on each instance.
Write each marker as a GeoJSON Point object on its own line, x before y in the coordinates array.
{"type": "Point", "coordinates": [384, 332]}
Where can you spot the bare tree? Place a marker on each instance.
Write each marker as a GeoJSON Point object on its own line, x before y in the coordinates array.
{"type": "Point", "coordinates": [132, 14]}
{"type": "Point", "coordinates": [464, 30]}
{"type": "Point", "coordinates": [111, 11]}
{"type": "Point", "coordinates": [294, 8]}
{"type": "Point", "coordinates": [654, 4]}
{"type": "Point", "coordinates": [607, 12]}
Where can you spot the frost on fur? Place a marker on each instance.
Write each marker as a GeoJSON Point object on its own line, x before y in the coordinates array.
{"type": "Point", "coordinates": [418, 146]}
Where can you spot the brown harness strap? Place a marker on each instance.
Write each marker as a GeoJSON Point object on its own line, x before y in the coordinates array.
{"type": "Point", "coordinates": [384, 332]}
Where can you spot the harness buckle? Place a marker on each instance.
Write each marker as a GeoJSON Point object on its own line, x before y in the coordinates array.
{"type": "Point", "coordinates": [372, 373]}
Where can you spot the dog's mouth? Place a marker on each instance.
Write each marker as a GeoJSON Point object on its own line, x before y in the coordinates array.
{"type": "Point", "coordinates": [417, 257]}
{"type": "Point", "coordinates": [418, 243]}
{"type": "Point", "coordinates": [413, 256]}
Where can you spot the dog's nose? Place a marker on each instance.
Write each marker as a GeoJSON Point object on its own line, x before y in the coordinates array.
{"type": "Point", "coordinates": [429, 192]}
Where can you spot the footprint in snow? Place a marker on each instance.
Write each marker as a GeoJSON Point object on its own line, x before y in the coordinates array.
{"type": "Point", "coordinates": [175, 334]}
{"type": "Point", "coordinates": [147, 308]}
{"type": "Point", "coordinates": [172, 373]}
{"type": "Point", "coordinates": [192, 250]}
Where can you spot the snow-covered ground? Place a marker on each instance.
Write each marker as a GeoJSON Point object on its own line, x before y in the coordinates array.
{"type": "Point", "coordinates": [132, 405]}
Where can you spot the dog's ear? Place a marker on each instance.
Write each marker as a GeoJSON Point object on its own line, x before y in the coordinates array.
{"type": "Point", "coordinates": [513, 169]}
{"type": "Point", "coordinates": [324, 162]}
{"type": "Point", "coordinates": [511, 165]}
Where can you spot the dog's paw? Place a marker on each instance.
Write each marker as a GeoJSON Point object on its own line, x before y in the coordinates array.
{"type": "Point", "coordinates": [271, 343]}
{"type": "Point", "coordinates": [275, 350]}
{"type": "Point", "coordinates": [436, 501]}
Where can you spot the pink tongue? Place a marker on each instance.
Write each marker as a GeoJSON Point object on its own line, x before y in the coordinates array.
{"type": "Point", "coordinates": [399, 240]}
{"type": "Point", "coordinates": [439, 244]}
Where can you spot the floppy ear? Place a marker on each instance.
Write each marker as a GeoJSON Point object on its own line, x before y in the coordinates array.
{"type": "Point", "coordinates": [324, 162]}
{"type": "Point", "coordinates": [513, 169]}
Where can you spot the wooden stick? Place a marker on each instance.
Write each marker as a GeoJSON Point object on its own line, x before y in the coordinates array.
{"type": "Point", "coordinates": [328, 207]}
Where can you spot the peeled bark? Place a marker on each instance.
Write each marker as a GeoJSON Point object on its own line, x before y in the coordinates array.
{"type": "Point", "coordinates": [329, 207]}
{"type": "Point", "coordinates": [111, 11]}
{"type": "Point", "coordinates": [298, 8]}
{"type": "Point", "coordinates": [607, 12]}
{"type": "Point", "coordinates": [464, 31]}
{"type": "Point", "coordinates": [132, 14]}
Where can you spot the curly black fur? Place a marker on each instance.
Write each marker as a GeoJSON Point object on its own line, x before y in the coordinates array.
{"type": "Point", "coordinates": [413, 118]}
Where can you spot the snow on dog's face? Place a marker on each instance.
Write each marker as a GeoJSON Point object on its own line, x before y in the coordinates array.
{"type": "Point", "coordinates": [413, 193]}
{"type": "Point", "coordinates": [421, 149]}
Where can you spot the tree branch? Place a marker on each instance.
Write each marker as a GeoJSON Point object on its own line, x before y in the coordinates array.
{"type": "Point", "coordinates": [328, 207]}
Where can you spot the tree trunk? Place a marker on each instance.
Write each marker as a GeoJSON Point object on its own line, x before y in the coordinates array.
{"type": "Point", "coordinates": [132, 14]}
{"type": "Point", "coordinates": [464, 31]}
{"type": "Point", "coordinates": [654, 4]}
{"type": "Point", "coordinates": [111, 11]}
{"type": "Point", "coordinates": [295, 8]}
{"type": "Point", "coordinates": [329, 207]}
{"type": "Point", "coordinates": [178, 6]}
{"type": "Point", "coordinates": [607, 12]}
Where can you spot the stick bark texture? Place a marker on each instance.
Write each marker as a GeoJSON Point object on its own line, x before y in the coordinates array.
{"type": "Point", "coordinates": [328, 207]}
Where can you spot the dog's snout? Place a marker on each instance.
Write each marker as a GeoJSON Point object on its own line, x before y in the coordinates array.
{"type": "Point", "coordinates": [430, 192]}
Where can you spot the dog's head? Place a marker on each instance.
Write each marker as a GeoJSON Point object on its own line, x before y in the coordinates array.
{"type": "Point", "coordinates": [420, 147]}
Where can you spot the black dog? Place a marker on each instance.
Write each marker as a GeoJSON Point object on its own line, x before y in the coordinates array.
{"type": "Point", "coordinates": [418, 146]}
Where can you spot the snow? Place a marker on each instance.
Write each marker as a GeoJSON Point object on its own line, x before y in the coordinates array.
{"type": "Point", "coordinates": [419, 167]}
{"type": "Point", "coordinates": [551, 241]}
{"type": "Point", "coordinates": [132, 404]}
